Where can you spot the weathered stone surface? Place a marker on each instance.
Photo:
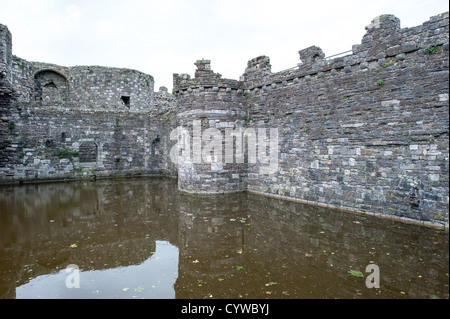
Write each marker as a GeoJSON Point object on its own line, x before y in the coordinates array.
{"type": "Point", "coordinates": [74, 122]}
{"type": "Point", "coordinates": [367, 131]}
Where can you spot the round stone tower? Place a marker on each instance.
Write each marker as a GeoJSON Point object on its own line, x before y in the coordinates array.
{"type": "Point", "coordinates": [211, 118]}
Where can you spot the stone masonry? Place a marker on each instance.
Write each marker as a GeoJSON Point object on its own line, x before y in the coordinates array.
{"type": "Point", "coordinates": [80, 122]}
{"type": "Point", "coordinates": [366, 132]}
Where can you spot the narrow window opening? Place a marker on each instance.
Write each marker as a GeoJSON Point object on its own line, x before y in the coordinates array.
{"type": "Point", "coordinates": [126, 100]}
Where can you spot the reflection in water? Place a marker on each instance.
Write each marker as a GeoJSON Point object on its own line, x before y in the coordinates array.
{"type": "Point", "coordinates": [154, 278]}
{"type": "Point", "coordinates": [212, 244]}
{"type": "Point", "coordinates": [141, 238]}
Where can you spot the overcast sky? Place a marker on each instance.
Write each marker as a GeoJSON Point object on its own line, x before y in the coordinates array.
{"type": "Point", "coordinates": [167, 36]}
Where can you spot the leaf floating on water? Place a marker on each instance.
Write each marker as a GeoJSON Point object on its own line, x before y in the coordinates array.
{"type": "Point", "coordinates": [73, 246]}
{"type": "Point", "coordinates": [195, 261]}
{"type": "Point", "coordinates": [239, 267]}
{"type": "Point", "coordinates": [139, 289]}
{"type": "Point", "coordinates": [271, 283]}
{"type": "Point", "coordinates": [356, 273]}
{"type": "Point", "coordinates": [220, 279]}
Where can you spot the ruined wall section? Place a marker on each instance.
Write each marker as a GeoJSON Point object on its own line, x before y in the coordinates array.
{"type": "Point", "coordinates": [56, 144]}
{"type": "Point", "coordinates": [82, 86]}
{"type": "Point", "coordinates": [163, 100]}
{"type": "Point", "coordinates": [80, 122]}
{"type": "Point", "coordinates": [217, 105]}
{"type": "Point", "coordinates": [367, 131]}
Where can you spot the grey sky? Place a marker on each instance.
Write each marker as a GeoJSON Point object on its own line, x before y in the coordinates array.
{"type": "Point", "coordinates": [167, 36]}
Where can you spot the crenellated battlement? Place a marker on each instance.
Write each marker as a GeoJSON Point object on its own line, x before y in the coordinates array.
{"type": "Point", "coordinates": [205, 81]}
{"type": "Point", "coordinates": [383, 40]}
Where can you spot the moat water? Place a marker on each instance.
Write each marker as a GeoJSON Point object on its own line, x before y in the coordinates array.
{"type": "Point", "coordinates": [141, 238]}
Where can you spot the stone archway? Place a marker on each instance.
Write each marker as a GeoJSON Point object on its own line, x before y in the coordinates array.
{"type": "Point", "coordinates": [50, 85]}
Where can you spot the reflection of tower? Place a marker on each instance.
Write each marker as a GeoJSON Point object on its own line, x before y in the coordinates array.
{"type": "Point", "coordinates": [209, 109]}
{"type": "Point", "coordinates": [211, 244]}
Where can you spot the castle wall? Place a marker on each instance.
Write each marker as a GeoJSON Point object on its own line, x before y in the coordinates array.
{"type": "Point", "coordinates": [368, 131]}
{"type": "Point", "coordinates": [80, 122]}
{"type": "Point", "coordinates": [84, 87]}
{"type": "Point", "coordinates": [6, 93]}
{"type": "Point", "coordinates": [55, 143]}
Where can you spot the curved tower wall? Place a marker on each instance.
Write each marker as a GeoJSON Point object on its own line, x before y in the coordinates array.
{"type": "Point", "coordinates": [209, 110]}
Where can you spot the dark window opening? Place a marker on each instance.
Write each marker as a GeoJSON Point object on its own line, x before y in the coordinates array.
{"type": "Point", "coordinates": [154, 144]}
{"type": "Point", "coordinates": [125, 100]}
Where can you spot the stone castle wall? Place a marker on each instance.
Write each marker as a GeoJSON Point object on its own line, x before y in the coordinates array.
{"type": "Point", "coordinates": [367, 131]}
{"type": "Point", "coordinates": [85, 87]}
{"type": "Point", "coordinates": [7, 94]}
{"type": "Point", "coordinates": [79, 122]}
